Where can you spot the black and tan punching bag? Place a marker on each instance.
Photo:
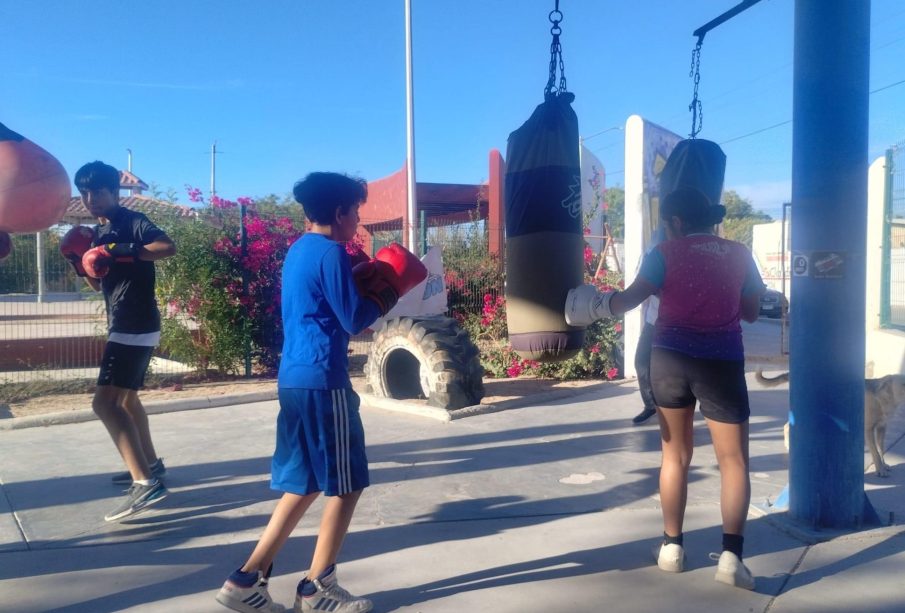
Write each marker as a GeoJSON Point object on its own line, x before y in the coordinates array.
{"type": "Point", "coordinates": [544, 239]}
{"type": "Point", "coordinates": [695, 163]}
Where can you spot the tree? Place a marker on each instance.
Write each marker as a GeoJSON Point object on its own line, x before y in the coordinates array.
{"type": "Point", "coordinates": [165, 194]}
{"type": "Point", "coordinates": [740, 218]}
{"type": "Point", "coordinates": [615, 210]}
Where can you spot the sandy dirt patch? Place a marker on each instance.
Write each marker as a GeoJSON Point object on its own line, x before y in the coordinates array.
{"type": "Point", "coordinates": [495, 391]}
{"type": "Point", "coordinates": [59, 403]}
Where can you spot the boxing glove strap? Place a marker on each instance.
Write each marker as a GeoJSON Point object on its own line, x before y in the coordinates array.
{"type": "Point", "coordinates": [123, 252]}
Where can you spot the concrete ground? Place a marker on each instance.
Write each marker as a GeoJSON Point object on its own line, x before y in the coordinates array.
{"type": "Point", "coordinates": [551, 506]}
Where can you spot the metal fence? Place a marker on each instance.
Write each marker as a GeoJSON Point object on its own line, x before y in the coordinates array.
{"type": "Point", "coordinates": [53, 327]}
{"type": "Point", "coordinates": [893, 298]}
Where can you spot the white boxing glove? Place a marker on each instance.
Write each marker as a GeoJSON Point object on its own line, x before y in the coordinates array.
{"type": "Point", "coordinates": [586, 304]}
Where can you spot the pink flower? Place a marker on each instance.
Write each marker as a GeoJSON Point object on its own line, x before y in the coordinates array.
{"type": "Point", "coordinates": [221, 203]}
{"type": "Point", "coordinates": [194, 194]}
{"type": "Point", "coordinates": [617, 327]}
{"type": "Point", "coordinates": [354, 246]}
{"type": "Point", "coordinates": [603, 286]}
{"type": "Point", "coordinates": [256, 226]}
{"type": "Point", "coordinates": [514, 371]}
{"type": "Point", "coordinates": [595, 348]}
{"type": "Point", "coordinates": [612, 373]}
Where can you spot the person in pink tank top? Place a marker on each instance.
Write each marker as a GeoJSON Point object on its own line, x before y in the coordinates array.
{"type": "Point", "coordinates": [706, 286]}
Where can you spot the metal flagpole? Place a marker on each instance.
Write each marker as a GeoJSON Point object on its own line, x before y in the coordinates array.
{"type": "Point", "coordinates": [213, 170]}
{"type": "Point", "coordinates": [410, 132]}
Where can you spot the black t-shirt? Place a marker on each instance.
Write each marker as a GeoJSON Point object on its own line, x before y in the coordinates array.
{"type": "Point", "coordinates": [129, 286]}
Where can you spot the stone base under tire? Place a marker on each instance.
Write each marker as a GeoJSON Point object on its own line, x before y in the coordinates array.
{"type": "Point", "coordinates": [429, 358]}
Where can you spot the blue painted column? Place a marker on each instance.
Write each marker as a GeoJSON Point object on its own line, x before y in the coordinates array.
{"type": "Point", "coordinates": [829, 219]}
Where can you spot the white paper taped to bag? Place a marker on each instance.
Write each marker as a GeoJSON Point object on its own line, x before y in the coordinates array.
{"type": "Point", "coordinates": [426, 298]}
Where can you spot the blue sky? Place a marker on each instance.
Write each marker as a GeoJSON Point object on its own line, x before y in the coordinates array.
{"type": "Point", "coordinates": [289, 86]}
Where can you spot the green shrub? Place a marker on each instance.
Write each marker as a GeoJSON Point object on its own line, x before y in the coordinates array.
{"type": "Point", "coordinates": [219, 302]}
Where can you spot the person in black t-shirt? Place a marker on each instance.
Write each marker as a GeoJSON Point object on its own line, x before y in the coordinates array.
{"type": "Point", "coordinates": [121, 265]}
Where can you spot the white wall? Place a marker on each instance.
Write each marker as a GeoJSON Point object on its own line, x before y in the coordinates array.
{"type": "Point", "coordinates": [634, 231]}
{"type": "Point", "coordinates": [885, 348]}
{"type": "Point", "coordinates": [766, 246]}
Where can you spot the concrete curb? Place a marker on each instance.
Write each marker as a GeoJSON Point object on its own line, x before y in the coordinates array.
{"type": "Point", "coordinates": [152, 408]}
{"type": "Point", "coordinates": [783, 522]}
{"type": "Point", "coordinates": [416, 408]}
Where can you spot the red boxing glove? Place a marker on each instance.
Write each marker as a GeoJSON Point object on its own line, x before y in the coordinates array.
{"type": "Point", "coordinates": [97, 261]}
{"type": "Point", "coordinates": [74, 244]}
{"type": "Point", "coordinates": [407, 268]}
{"type": "Point", "coordinates": [371, 281]}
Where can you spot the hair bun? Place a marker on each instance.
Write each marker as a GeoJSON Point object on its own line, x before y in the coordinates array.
{"type": "Point", "coordinates": [718, 212]}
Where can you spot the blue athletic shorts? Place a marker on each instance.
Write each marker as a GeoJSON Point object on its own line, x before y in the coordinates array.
{"type": "Point", "coordinates": [320, 443]}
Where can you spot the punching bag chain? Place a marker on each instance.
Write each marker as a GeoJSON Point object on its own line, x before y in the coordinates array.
{"type": "Point", "coordinates": [556, 56]}
{"type": "Point", "coordinates": [696, 108]}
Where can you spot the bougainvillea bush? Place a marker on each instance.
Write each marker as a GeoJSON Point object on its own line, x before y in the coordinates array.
{"type": "Point", "coordinates": [599, 358]}
{"type": "Point", "coordinates": [471, 271]}
{"type": "Point", "coordinates": [218, 301]}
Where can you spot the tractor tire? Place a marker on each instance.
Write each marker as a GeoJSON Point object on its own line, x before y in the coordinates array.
{"type": "Point", "coordinates": [425, 357]}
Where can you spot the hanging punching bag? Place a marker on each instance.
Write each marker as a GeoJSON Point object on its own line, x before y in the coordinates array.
{"type": "Point", "coordinates": [544, 239]}
{"type": "Point", "coordinates": [695, 163]}
{"type": "Point", "coordinates": [34, 187]}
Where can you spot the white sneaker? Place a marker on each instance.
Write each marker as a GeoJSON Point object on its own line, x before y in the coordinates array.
{"type": "Point", "coordinates": [330, 597]}
{"type": "Point", "coordinates": [731, 571]}
{"type": "Point", "coordinates": [254, 599]}
{"type": "Point", "coordinates": [670, 558]}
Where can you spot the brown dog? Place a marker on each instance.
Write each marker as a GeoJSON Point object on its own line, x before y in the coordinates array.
{"type": "Point", "coordinates": [881, 399]}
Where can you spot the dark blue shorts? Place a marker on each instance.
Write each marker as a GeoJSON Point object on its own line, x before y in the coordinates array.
{"type": "Point", "coordinates": [320, 443]}
{"type": "Point", "coordinates": [679, 380]}
{"type": "Point", "coordinates": [124, 365]}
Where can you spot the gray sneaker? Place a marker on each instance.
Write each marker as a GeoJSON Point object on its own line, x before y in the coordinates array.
{"type": "Point", "coordinates": [330, 597]}
{"type": "Point", "coordinates": [138, 497]}
{"type": "Point", "coordinates": [253, 598]}
{"type": "Point", "coordinates": [158, 470]}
